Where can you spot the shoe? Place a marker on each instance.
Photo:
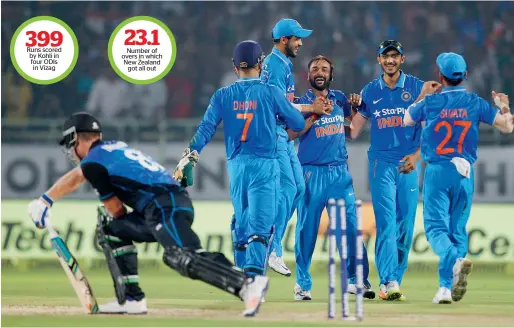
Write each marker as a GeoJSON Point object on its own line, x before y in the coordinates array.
{"type": "Point", "coordinates": [443, 296]}
{"type": "Point", "coordinates": [461, 269]}
{"type": "Point", "coordinates": [366, 293]}
{"type": "Point", "coordinates": [300, 294]}
{"type": "Point", "coordinates": [253, 292]}
{"type": "Point", "coordinates": [390, 292]}
{"type": "Point", "coordinates": [393, 290]}
{"type": "Point", "coordinates": [276, 263]}
{"type": "Point", "coordinates": [131, 306]}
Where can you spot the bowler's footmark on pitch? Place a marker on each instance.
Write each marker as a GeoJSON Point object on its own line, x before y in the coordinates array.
{"type": "Point", "coordinates": [44, 50]}
{"type": "Point", "coordinates": [142, 50]}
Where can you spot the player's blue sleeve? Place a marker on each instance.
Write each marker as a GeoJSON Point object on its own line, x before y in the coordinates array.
{"type": "Point", "coordinates": [417, 111]}
{"type": "Point", "coordinates": [275, 75]}
{"type": "Point", "coordinates": [207, 128]}
{"type": "Point", "coordinates": [342, 101]}
{"type": "Point", "coordinates": [487, 112]}
{"type": "Point", "coordinates": [418, 86]}
{"type": "Point", "coordinates": [293, 118]}
{"type": "Point", "coordinates": [363, 109]}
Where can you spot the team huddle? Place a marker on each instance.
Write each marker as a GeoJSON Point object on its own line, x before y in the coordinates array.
{"type": "Point", "coordinates": [269, 180]}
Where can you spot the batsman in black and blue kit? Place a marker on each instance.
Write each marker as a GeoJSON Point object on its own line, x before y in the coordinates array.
{"type": "Point", "coordinates": [162, 212]}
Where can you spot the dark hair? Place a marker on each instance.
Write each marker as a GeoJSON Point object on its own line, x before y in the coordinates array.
{"type": "Point", "coordinates": [453, 82]}
{"type": "Point", "coordinates": [278, 40]}
{"type": "Point", "coordinates": [321, 57]}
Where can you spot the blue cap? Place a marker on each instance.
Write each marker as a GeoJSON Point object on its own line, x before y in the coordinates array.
{"type": "Point", "coordinates": [247, 54]}
{"type": "Point", "coordinates": [390, 44]}
{"type": "Point", "coordinates": [289, 27]}
{"type": "Point", "coordinates": [452, 66]}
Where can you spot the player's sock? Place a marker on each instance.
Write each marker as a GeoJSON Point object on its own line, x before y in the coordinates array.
{"type": "Point", "coordinates": [125, 254]}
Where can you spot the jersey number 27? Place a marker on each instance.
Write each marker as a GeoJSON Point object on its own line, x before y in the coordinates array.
{"type": "Point", "coordinates": [440, 150]}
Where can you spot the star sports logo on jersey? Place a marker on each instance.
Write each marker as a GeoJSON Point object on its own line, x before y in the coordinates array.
{"type": "Point", "coordinates": [389, 117]}
{"type": "Point", "coordinates": [327, 126]}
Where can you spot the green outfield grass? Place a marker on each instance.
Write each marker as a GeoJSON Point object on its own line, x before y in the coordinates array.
{"type": "Point", "coordinates": [45, 298]}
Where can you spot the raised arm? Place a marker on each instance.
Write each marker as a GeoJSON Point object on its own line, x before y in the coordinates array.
{"type": "Point", "coordinates": [503, 120]}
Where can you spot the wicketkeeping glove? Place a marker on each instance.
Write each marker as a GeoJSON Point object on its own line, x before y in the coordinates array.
{"type": "Point", "coordinates": [184, 170]}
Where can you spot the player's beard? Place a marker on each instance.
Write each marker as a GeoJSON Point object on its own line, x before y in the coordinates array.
{"type": "Point", "coordinates": [289, 50]}
{"type": "Point", "coordinates": [325, 85]}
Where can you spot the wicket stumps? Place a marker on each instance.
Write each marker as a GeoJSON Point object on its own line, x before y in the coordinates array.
{"type": "Point", "coordinates": [337, 220]}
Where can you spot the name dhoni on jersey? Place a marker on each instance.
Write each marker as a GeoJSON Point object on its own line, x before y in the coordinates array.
{"type": "Point", "coordinates": [245, 105]}
{"type": "Point", "coordinates": [329, 126]}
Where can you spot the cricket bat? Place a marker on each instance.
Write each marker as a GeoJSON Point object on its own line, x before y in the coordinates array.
{"type": "Point", "coordinates": [74, 272]}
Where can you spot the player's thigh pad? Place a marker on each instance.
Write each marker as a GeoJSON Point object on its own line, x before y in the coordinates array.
{"type": "Point", "coordinates": [170, 217]}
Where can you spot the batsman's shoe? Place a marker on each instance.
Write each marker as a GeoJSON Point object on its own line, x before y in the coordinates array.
{"type": "Point", "coordinates": [461, 269]}
{"type": "Point", "coordinates": [131, 306]}
{"type": "Point", "coordinates": [254, 291]}
{"type": "Point", "coordinates": [443, 296]}
{"type": "Point", "coordinates": [366, 293]}
{"type": "Point", "coordinates": [300, 294]}
{"type": "Point", "coordinates": [276, 263]}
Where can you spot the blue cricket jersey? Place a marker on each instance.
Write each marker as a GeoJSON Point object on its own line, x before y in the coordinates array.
{"type": "Point", "coordinates": [249, 109]}
{"type": "Point", "coordinates": [115, 169]}
{"type": "Point", "coordinates": [384, 108]}
{"type": "Point", "coordinates": [325, 143]}
{"type": "Point", "coordinates": [452, 120]}
{"type": "Point", "coordinates": [277, 70]}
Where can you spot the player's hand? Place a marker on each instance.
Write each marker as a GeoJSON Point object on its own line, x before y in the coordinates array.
{"type": "Point", "coordinates": [322, 106]}
{"type": "Point", "coordinates": [39, 212]}
{"type": "Point", "coordinates": [409, 163]}
{"type": "Point", "coordinates": [431, 87]}
{"type": "Point", "coordinates": [355, 100]}
{"type": "Point", "coordinates": [501, 100]}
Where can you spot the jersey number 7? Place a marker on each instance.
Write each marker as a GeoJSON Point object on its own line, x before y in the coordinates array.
{"type": "Point", "coordinates": [440, 150]}
{"type": "Point", "coordinates": [248, 117]}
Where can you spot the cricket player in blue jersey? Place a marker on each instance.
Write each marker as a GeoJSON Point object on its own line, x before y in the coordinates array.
{"type": "Point", "coordinates": [393, 164]}
{"type": "Point", "coordinates": [449, 144]}
{"type": "Point", "coordinates": [277, 70]}
{"type": "Point", "coordinates": [322, 154]}
{"type": "Point", "coordinates": [226, 105]}
{"type": "Point", "coordinates": [249, 109]}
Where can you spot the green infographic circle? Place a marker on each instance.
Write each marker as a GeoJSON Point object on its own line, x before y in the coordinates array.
{"type": "Point", "coordinates": [17, 34]}
{"type": "Point", "coordinates": [168, 33]}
